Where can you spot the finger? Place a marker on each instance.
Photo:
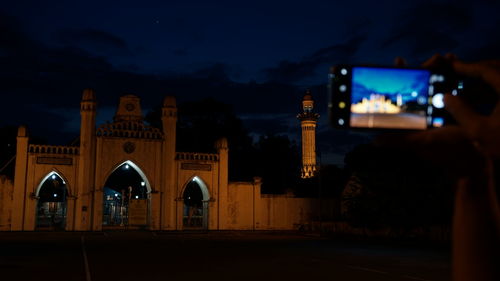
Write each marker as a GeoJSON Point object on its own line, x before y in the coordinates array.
{"type": "Point", "coordinates": [447, 134]}
{"type": "Point", "coordinates": [400, 62]}
{"type": "Point", "coordinates": [450, 56]}
{"type": "Point", "coordinates": [432, 61]}
{"type": "Point", "coordinates": [440, 146]}
{"type": "Point", "coordinates": [480, 70]}
{"type": "Point", "coordinates": [427, 138]}
{"type": "Point", "coordinates": [469, 120]}
{"type": "Point", "coordinates": [492, 63]}
{"type": "Point", "coordinates": [496, 112]}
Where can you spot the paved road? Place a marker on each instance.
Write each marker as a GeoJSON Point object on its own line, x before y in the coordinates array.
{"type": "Point", "coordinates": [228, 256]}
{"type": "Point", "coordinates": [396, 121]}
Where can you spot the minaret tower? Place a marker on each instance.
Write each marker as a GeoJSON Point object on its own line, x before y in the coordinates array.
{"type": "Point", "coordinates": [308, 121]}
{"type": "Point", "coordinates": [169, 191]}
{"type": "Point", "coordinates": [85, 188]}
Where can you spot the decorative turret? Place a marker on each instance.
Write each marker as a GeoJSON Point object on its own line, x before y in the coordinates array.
{"type": "Point", "coordinates": [20, 190]}
{"type": "Point", "coordinates": [129, 109]}
{"type": "Point", "coordinates": [308, 121]}
{"type": "Point", "coordinates": [86, 163]}
{"type": "Point", "coordinates": [221, 144]}
{"type": "Point", "coordinates": [169, 117]}
{"type": "Point", "coordinates": [169, 124]}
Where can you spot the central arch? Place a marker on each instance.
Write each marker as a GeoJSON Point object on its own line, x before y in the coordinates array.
{"type": "Point", "coordinates": [51, 207]}
{"type": "Point", "coordinates": [126, 197]}
{"type": "Point", "coordinates": [195, 209]}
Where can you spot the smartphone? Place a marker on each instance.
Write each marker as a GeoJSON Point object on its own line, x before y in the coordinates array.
{"type": "Point", "coordinates": [388, 97]}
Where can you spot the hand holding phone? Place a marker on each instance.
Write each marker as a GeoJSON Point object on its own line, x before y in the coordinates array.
{"type": "Point", "coordinates": [389, 97]}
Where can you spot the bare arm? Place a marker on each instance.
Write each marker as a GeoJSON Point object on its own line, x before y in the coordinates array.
{"type": "Point", "coordinates": [476, 231]}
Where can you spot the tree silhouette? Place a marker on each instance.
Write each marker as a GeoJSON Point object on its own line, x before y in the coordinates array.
{"type": "Point", "coordinates": [202, 123]}
{"type": "Point", "coordinates": [278, 163]}
{"type": "Point", "coordinates": [394, 187]}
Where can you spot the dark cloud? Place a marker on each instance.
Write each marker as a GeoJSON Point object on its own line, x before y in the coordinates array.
{"type": "Point", "coordinates": [215, 72]}
{"type": "Point", "coordinates": [180, 52]}
{"type": "Point", "coordinates": [293, 72]}
{"type": "Point", "coordinates": [13, 40]}
{"type": "Point", "coordinates": [429, 28]}
{"type": "Point", "coordinates": [42, 85]}
{"type": "Point", "coordinates": [269, 124]}
{"type": "Point", "coordinates": [91, 38]}
{"type": "Point", "coordinates": [484, 49]}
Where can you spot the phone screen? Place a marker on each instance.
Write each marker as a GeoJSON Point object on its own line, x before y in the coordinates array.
{"type": "Point", "coordinates": [389, 98]}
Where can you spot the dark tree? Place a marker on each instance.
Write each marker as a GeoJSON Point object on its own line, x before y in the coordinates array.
{"type": "Point", "coordinates": [8, 144]}
{"type": "Point", "coordinates": [278, 164]}
{"type": "Point", "coordinates": [395, 187]}
{"type": "Point", "coordinates": [202, 123]}
{"type": "Point", "coordinates": [7, 150]}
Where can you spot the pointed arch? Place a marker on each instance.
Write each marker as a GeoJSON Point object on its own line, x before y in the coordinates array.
{"type": "Point", "coordinates": [51, 202]}
{"type": "Point", "coordinates": [49, 175]}
{"type": "Point", "coordinates": [203, 186]}
{"type": "Point", "coordinates": [195, 205]}
{"type": "Point", "coordinates": [136, 168]}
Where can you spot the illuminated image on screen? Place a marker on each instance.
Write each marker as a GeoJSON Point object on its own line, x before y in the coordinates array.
{"type": "Point", "coordinates": [389, 98]}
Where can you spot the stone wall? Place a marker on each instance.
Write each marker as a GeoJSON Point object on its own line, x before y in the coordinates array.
{"type": "Point", "coordinates": [285, 212]}
{"type": "Point", "coordinates": [241, 206]}
{"type": "Point", "coordinates": [247, 209]}
{"type": "Point", "coordinates": [6, 189]}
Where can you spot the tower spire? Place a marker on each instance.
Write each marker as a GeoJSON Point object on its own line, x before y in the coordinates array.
{"type": "Point", "coordinates": [308, 121]}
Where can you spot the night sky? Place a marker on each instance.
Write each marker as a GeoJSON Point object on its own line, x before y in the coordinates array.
{"type": "Point", "coordinates": [258, 56]}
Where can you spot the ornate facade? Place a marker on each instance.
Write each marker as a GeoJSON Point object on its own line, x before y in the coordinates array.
{"type": "Point", "coordinates": [126, 174]}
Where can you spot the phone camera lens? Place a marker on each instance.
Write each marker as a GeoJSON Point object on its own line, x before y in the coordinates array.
{"type": "Point", "coordinates": [438, 100]}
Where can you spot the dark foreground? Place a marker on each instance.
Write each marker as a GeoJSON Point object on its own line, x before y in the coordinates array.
{"type": "Point", "coordinates": [231, 256]}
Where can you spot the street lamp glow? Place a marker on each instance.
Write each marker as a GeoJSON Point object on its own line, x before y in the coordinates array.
{"type": "Point", "coordinates": [143, 183]}
{"type": "Point", "coordinates": [53, 177]}
{"type": "Point", "coordinates": [137, 197]}
{"type": "Point", "coordinates": [127, 166]}
{"type": "Point", "coordinates": [55, 195]}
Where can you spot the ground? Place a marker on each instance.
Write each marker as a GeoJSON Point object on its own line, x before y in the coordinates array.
{"type": "Point", "coordinates": [231, 256]}
{"type": "Point", "coordinates": [397, 121]}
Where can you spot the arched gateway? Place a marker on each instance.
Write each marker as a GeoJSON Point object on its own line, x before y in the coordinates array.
{"type": "Point", "coordinates": [126, 197]}
{"type": "Point", "coordinates": [51, 196]}
{"type": "Point", "coordinates": [107, 173]}
{"type": "Point", "coordinates": [196, 198]}
{"type": "Point", "coordinates": [127, 173]}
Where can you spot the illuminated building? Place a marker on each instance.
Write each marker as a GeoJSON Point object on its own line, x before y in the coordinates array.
{"type": "Point", "coordinates": [308, 120]}
{"type": "Point", "coordinates": [376, 104]}
{"type": "Point", "coordinates": [71, 187]}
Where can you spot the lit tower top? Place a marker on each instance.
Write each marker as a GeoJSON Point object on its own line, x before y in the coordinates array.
{"type": "Point", "coordinates": [308, 121]}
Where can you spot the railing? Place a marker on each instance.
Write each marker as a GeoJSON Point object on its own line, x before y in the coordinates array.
{"type": "Point", "coordinates": [129, 129]}
{"type": "Point", "coordinates": [53, 149]}
{"type": "Point", "coordinates": [196, 156]}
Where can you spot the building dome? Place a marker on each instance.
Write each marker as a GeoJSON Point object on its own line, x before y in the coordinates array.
{"type": "Point", "coordinates": [169, 101]}
{"type": "Point", "coordinates": [88, 95]}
